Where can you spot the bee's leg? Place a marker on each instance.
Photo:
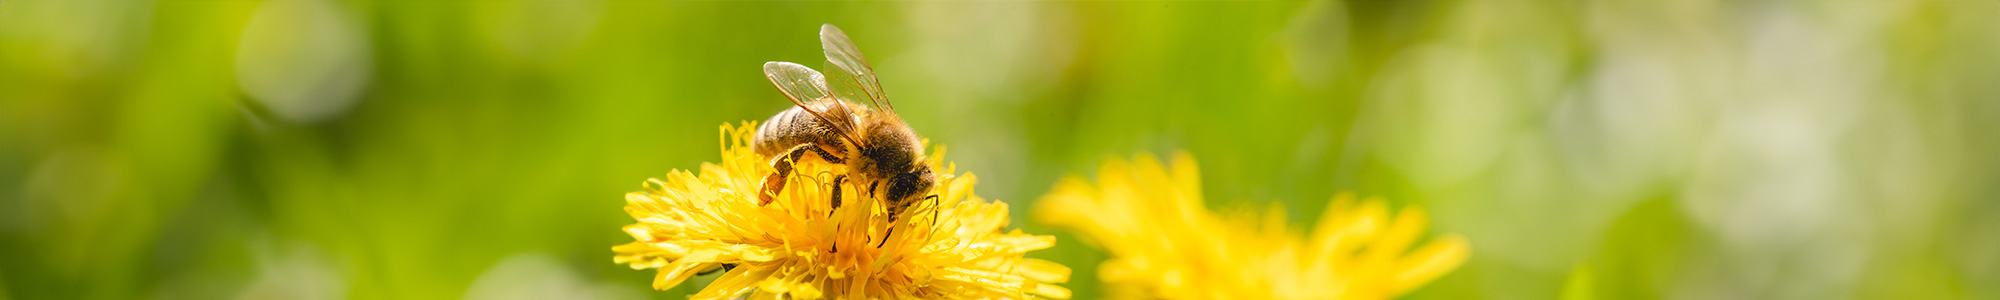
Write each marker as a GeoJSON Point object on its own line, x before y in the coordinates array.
{"type": "Point", "coordinates": [871, 188]}
{"type": "Point", "coordinates": [893, 211]}
{"type": "Point", "coordinates": [783, 163]}
{"type": "Point", "coordinates": [934, 209]}
{"type": "Point", "coordinates": [836, 204]}
{"type": "Point", "coordinates": [724, 268]}
{"type": "Point", "coordinates": [836, 193]}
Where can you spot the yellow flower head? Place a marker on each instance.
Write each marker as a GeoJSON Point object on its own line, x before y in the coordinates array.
{"type": "Point", "coordinates": [799, 247]}
{"type": "Point", "coordinates": [1165, 244]}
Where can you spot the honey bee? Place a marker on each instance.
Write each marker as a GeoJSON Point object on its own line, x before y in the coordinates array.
{"type": "Point", "coordinates": [880, 151]}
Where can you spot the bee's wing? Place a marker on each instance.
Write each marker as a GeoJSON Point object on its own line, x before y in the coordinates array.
{"type": "Point", "coordinates": [803, 85]}
{"type": "Point", "coordinates": [854, 79]}
{"type": "Point", "coordinates": [798, 82]}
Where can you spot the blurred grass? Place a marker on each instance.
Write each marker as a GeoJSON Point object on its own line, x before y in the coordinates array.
{"type": "Point", "coordinates": [413, 149]}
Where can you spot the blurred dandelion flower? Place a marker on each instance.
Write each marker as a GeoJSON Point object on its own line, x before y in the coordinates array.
{"type": "Point", "coordinates": [1164, 244]}
{"type": "Point", "coordinates": [799, 247]}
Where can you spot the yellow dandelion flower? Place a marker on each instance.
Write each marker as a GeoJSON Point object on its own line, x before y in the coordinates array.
{"type": "Point", "coordinates": [1165, 244]}
{"type": "Point", "coordinates": [799, 247]}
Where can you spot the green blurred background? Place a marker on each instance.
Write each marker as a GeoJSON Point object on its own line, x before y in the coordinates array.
{"type": "Point", "coordinates": [301, 149]}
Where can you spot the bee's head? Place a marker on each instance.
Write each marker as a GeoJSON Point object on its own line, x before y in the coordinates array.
{"type": "Point", "coordinates": [904, 189]}
{"type": "Point", "coordinates": [892, 157]}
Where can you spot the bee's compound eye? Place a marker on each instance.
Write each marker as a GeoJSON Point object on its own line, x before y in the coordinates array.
{"type": "Point", "coordinates": [905, 186]}
{"type": "Point", "coordinates": [920, 182]}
